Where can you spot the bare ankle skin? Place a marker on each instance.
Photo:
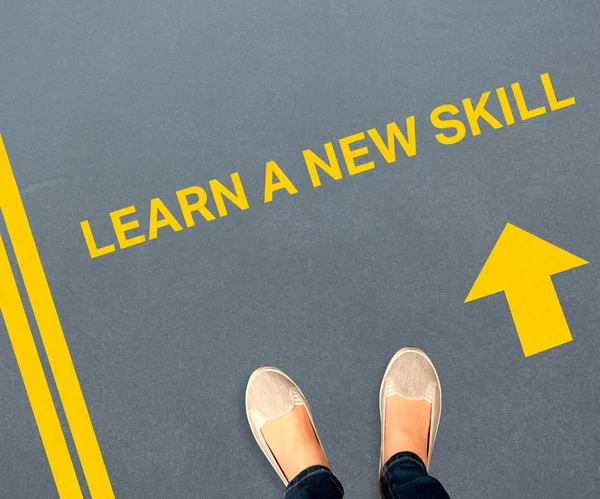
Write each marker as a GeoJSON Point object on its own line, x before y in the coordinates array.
{"type": "Point", "coordinates": [293, 442]}
{"type": "Point", "coordinates": [406, 427]}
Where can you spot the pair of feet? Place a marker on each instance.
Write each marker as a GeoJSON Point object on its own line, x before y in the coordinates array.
{"type": "Point", "coordinates": [281, 421]}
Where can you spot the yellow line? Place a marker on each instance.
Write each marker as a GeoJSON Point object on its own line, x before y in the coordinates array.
{"type": "Point", "coordinates": [51, 332]}
{"type": "Point", "coordinates": [35, 382]}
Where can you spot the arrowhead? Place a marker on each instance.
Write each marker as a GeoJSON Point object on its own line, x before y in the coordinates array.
{"type": "Point", "coordinates": [518, 257]}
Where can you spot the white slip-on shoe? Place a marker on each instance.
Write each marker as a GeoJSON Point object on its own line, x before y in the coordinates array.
{"type": "Point", "coordinates": [411, 375]}
{"type": "Point", "coordinates": [271, 394]}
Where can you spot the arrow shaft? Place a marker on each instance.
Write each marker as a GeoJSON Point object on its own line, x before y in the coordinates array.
{"type": "Point", "coordinates": [538, 316]}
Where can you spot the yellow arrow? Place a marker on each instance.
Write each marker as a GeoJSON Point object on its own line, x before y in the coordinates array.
{"type": "Point", "coordinates": [521, 265]}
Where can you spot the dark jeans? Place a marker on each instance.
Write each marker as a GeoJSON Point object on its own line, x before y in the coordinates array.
{"type": "Point", "coordinates": [404, 476]}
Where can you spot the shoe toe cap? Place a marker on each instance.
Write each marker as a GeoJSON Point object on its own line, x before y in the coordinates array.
{"type": "Point", "coordinates": [411, 375]}
{"type": "Point", "coordinates": [270, 395]}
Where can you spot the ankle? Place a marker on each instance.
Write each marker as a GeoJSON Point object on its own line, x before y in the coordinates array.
{"type": "Point", "coordinates": [403, 441]}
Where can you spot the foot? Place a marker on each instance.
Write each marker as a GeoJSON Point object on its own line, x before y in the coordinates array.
{"type": "Point", "coordinates": [282, 424]}
{"type": "Point", "coordinates": [410, 403]}
{"type": "Point", "coordinates": [292, 440]}
{"type": "Point", "coordinates": [406, 427]}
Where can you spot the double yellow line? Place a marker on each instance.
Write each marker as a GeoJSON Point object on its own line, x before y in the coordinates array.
{"type": "Point", "coordinates": [57, 351]}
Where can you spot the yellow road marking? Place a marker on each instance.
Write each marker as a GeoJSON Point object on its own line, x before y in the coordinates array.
{"type": "Point", "coordinates": [52, 334]}
{"type": "Point", "coordinates": [521, 265]}
{"type": "Point", "coordinates": [35, 382]}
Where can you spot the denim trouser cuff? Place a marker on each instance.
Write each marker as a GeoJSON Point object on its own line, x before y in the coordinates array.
{"type": "Point", "coordinates": [402, 455]}
{"type": "Point", "coordinates": [311, 473]}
